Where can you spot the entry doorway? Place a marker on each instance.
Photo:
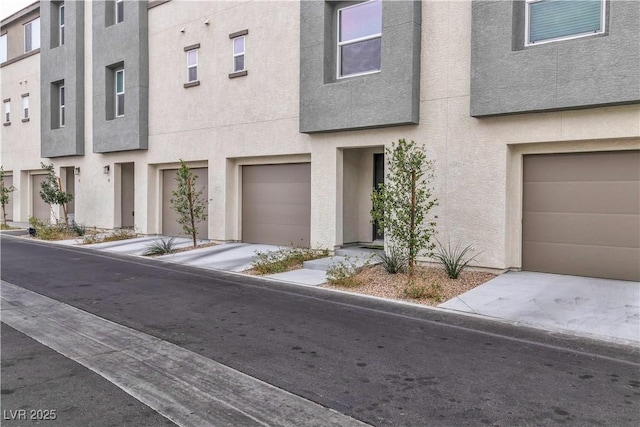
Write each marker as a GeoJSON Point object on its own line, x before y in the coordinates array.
{"type": "Point", "coordinates": [127, 195]}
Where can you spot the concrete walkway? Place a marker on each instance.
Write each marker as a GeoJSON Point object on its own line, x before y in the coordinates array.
{"type": "Point", "coordinates": [597, 308]}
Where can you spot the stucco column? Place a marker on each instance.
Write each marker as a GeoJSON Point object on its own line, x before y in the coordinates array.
{"type": "Point", "coordinates": [326, 196]}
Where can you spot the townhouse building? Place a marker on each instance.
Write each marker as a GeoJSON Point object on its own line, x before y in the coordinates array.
{"type": "Point", "coordinates": [529, 108]}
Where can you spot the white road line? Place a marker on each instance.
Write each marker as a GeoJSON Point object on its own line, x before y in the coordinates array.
{"type": "Point", "coordinates": [188, 389]}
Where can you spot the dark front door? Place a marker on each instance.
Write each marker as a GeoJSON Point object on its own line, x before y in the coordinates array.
{"type": "Point", "coordinates": [378, 178]}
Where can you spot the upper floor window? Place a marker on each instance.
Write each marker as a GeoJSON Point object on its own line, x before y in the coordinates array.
{"type": "Point", "coordinates": [32, 35]}
{"type": "Point", "coordinates": [359, 39]}
{"type": "Point", "coordinates": [238, 54]}
{"type": "Point", "coordinates": [119, 11]}
{"type": "Point", "coordinates": [192, 65]}
{"type": "Point", "coordinates": [25, 107]}
{"type": "Point", "coordinates": [7, 111]}
{"type": "Point", "coordinates": [61, 105]}
{"type": "Point", "coordinates": [61, 21]}
{"type": "Point", "coordinates": [119, 85]}
{"type": "Point", "coordinates": [3, 48]}
{"type": "Point", "coordinates": [551, 20]}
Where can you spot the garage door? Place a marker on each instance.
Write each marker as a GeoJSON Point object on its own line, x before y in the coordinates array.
{"type": "Point", "coordinates": [40, 209]}
{"type": "Point", "coordinates": [581, 214]}
{"type": "Point", "coordinates": [276, 204]}
{"type": "Point", "coordinates": [170, 226]}
{"type": "Point", "coordinates": [8, 208]}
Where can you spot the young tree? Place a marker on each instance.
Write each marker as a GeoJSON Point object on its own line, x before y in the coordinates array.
{"type": "Point", "coordinates": [51, 191]}
{"type": "Point", "coordinates": [188, 203]}
{"type": "Point", "coordinates": [401, 205]}
{"type": "Point", "coordinates": [5, 193]}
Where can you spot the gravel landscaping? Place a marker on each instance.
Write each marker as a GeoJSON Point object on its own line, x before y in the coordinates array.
{"type": "Point", "coordinates": [431, 284]}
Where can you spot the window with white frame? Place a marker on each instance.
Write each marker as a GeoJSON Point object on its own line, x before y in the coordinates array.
{"type": "Point", "coordinates": [119, 95]}
{"type": "Point", "coordinates": [7, 111]}
{"type": "Point", "coordinates": [3, 48]}
{"type": "Point", "coordinates": [192, 65]}
{"type": "Point", "coordinates": [61, 22]}
{"type": "Point", "coordinates": [359, 39]}
{"type": "Point", "coordinates": [552, 20]}
{"type": "Point", "coordinates": [61, 106]}
{"type": "Point", "coordinates": [32, 35]}
{"type": "Point", "coordinates": [25, 106]}
{"type": "Point", "coordinates": [238, 54]}
{"type": "Point", "coordinates": [119, 11]}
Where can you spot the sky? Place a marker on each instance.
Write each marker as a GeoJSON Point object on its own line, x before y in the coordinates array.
{"type": "Point", "coordinates": [9, 7]}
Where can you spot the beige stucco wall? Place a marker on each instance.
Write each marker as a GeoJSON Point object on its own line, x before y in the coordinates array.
{"type": "Point", "coordinates": [225, 123]}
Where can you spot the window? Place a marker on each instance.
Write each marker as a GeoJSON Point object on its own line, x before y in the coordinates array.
{"type": "Point", "coordinates": [25, 107]}
{"type": "Point", "coordinates": [7, 111]}
{"type": "Point", "coordinates": [359, 39]}
{"type": "Point", "coordinates": [551, 20]}
{"type": "Point", "coordinates": [32, 35]}
{"type": "Point", "coordinates": [61, 105]}
{"type": "Point", "coordinates": [238, 54]}
{"type": "Point", "coordinates": [61, 21]}
{"type": "Point", "coordinates": [3, 48]}
{"type": "Point", "coordinates": [192, 65]}
{"type": "Point", "coordinates": [119, 84]}
{"type": "Point", "coordinates": [119, 11]}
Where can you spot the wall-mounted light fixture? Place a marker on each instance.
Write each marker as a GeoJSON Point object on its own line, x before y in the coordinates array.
{"type": "Point", "coordinates": [182, 30]}
{"type": "Point", "coordinates": [76, 170]}
{"type": "Point", "coordinates": [106, 169]}
{"type": "Point", "coordinates": [206, 22]}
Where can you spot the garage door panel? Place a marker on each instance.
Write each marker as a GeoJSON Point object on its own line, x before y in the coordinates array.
{"type": "Point", "coordinates": [581, 214]}
{"type": "Point", "coordinates": [281, 193]}
{"type": "Point", "coordinates": [279, 214]}
{"type": "Point", "coordinates": [276, 204]}
{"type": "Point", "coordinates": [277, 173]}
{"type": "Point", "coordinates": [583, 197]}
{"type": "Point", "coordinates": [40, 209]}
{"type": "Point", "coordinates": [585, 229]}
{"type": "Point", "coordinates": [274, 234]}
{"type": "Point", "coordinates": [170, 226]}
{"type": "Point", "coordinates": [592, 261]}
{"type": "Point", "coordinates": [603, 166]}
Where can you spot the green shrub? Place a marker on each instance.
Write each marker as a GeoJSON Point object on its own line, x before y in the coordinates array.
{"type": "Point", "coordinates": [121, 234]}
{"type": "Point", "coordinates": [418, 291]}
{"type": "Point", "coordinates": [161, 247]}
{"type": "Point", "coordinates": [272, 262]}
{"type": "Point", "coordinates": [455, 260]}
{"type": "Point", "coordinates": [79, 229]}
{"type": "Point", "coordinates": [344, 273]}
{"type": "Point", "coordinates": [91, 238]}
{"type": "Point", "coordinates": [393, 260]}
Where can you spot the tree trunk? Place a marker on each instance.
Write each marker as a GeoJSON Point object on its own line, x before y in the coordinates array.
{"type": "Point", "coordinates": [191, 214]}
{"type": "Point", "coordinates": [4, 214]}
{"type": "Point", "coordinates": [412, 229]}
{"type": "Point", "coordinates": [64, 206]}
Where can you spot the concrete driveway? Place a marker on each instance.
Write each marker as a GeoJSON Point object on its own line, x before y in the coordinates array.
{"type": "Point", "coordinates": [597, 308]}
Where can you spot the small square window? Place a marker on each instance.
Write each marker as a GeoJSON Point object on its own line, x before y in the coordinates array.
{"type": "Point", "coordinates": [553, 20]}
{"type": "Point", "coordinates": [7, 112]}
{"type": "Point", "coordinates": [119, 95]}
{"type": "Point", "coordinates": [25, 107]}
{"type": "Point", "coordinates": [238, 54]}
{"type": "Point", "coordinates": [192, 65]}
{"type": "Point", "coordinates": [119, 11]}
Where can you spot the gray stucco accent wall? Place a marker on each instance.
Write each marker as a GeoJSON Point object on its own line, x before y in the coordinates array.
{"type": "Point", "coordinates": [388, 98]}
{"type": "Point", "coordinates": [60, 63]}
{"type": "Point", "coordinates": [124, 44]}
{"type": "Point", "coordinates": [507, 77]}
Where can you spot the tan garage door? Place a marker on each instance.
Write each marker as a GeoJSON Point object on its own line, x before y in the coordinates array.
{"type": "Point", "coordinates": [581, 214]}
{"type": "Point", "coordinates": [8, 208]}
{"type": "Point", "coordinates": [170, 226]}
{"type": "Point", "coordinates": [40, 209]}
{"type": "Point", "coordinates": [276, 204]}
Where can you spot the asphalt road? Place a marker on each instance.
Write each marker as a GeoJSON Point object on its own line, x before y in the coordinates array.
{"type": "Point", "coordinates": [379, 362]}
